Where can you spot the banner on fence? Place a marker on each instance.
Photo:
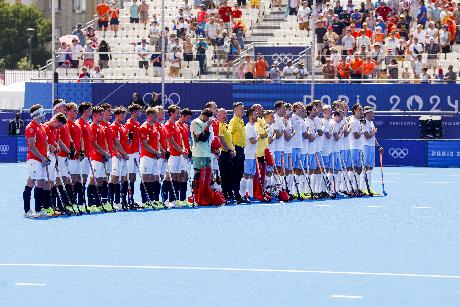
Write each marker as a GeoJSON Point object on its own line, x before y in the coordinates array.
{"type": "Point", "coordinates": [444, 153]}
{"type": "Point", "coordinates": [403, 152]}
{"type": "Point", "coordinates": [8, 149]}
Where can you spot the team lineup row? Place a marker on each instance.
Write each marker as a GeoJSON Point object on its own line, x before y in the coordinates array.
{"type": "Point", "coordinates": [295, 151]}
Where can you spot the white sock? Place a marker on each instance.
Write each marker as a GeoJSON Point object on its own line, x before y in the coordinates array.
{"type": "Point", "coordinates": [362, 181]}
{"type": "Point", "coordinates": [313, 183]}
{"type": "Point", "coordinates": [330, 177]}
{"type": "Point", "coordinates": [243, 184]}
{"type": "Point", "coordinates": [250, 186]}
{"type": "Point", "coordinates": [341, 185]}
{"type": "Point", "coordinates": [306, 185]}
{"type": "Point", "coordinates": [352, 179]}
{"type": "Point", "coordinates": [319, 180]}
{"type": "Point", "coordinates": [369, 177]}
{"type": "Point", "coordinates": [334, 183]}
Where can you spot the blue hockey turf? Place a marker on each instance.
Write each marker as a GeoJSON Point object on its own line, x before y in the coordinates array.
{"type": "Point", "coordinates": [399, 250]}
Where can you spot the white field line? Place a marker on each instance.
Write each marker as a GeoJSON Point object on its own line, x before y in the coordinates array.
{"type": "Point", "coordinates": [355, 297]}
{"type": "Point", "coordinates": [260, 270]}
{"type": "Point", "coordinates": [29, 284]}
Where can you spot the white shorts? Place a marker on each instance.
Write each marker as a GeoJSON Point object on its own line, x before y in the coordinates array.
{"type": "Point", "coordinates": [84, 166]}
{"type": "Point", "coordinates": [175, 164]}
{"type": "Point", "coordinates": [119, 167]}
{"type": "Point", "coordinates": [108, 166]}
{"type": "Point", "coordinates": [149, 166]}
{"type": "Point", "coordinates": [35, 170]}
{"type": "Point", "coordinates": [162, 166]}
{"type": "Point", "coordinates": [63, 166]}
{"type": "Point", "coordinates": [131, 166]}
{"type": "Point", "coordinates": [51, 169]}
{"type": "Point", "coordinates": [186, 165]}
{"type": "Point", "coordinates": [98, 168]}
{"type": "Point", "coordinates": [74, 167]}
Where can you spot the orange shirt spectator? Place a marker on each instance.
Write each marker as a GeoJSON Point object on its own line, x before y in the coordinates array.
{"type": "Point", "coordinates": [103, 11]}
{"type": "Point", "coordinates": [452, 27]}
{"type": "Point", "coordinates": [356, 65]}
{"type": "Point", "coordinates": [379, 37]}
{"type": "Point", "coordinates": [114, 13]}
{"type": "Point", "coordinates": [344, 70]}
{"type": "Point", "coordinates": [261, 67]}
{"type": "Point", "coordinates": [369, 67]}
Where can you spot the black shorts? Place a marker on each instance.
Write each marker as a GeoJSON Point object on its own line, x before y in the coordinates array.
{"type": "Point", "coordinates": [133, 20]}
{"type": "Point", "coordinates": [144, 64]}
{"type": "Point", "coordinates": [75, 63]}
{"type": "Point", "coordinates": [188, 57]}
{"type": "Point", "coordinates": [241, 2]}
{"type": "Point", "coordinates": [102, 24]}
{"type": "Point", "coordinates": [114, 21]}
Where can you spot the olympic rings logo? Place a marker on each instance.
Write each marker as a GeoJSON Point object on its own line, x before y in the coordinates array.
{"type": "Point", "coordinates": [171, 99]}
{"type": "Point", "coordinates": [4, 149]}
{"type": "Point", "coordinates": [282, 57]}
{"type": "Point", "coordinates": [398, 153]}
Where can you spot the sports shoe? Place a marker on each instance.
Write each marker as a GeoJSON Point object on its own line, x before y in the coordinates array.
{"type": "Point", "coordinates": [51, 212]}
{"type": "Point", "coordinates": [43, 213]}
{"type": "Point", "coordinates": [117, 206]}
{"type": "Point", "coordinates": [186, 203]}
{"type": "Point", "coordinates": [170, 204]}
{"type": "Point", "coordinates": [31, 214]}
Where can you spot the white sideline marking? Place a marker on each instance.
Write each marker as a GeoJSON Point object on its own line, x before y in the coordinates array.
{"type": "Point", "coordinates": [415, 174]}
{"type": "Point", "coordinates": [194, 268]}
{"type": "Point", "coordinates": [25, 284]}
{"type": "Point", "coordinates": [439, 182]}
{"type": "Point", "coordinates": [269, 205]}
{"type": "Point", "coordinates": [356, 297]}
{"type": "Point", "coordinates": [324, 205]}
{"type": "Point", "coordinates": [421, 207]}
{"type": "Point", "coordinates": [392, 181]}
{"type": "Point", "coordinates": [392, 173]}
{"type": "Point", "coordinates": [373, 206]}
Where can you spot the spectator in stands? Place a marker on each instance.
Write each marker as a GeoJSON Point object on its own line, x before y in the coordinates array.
{"type": "Point", "coordinates": [80, 34]}
{"type": "Point", "coordinates": [356, 67]}
{"type": "Point", "coordinates": [404, 26]}
{"type": "Point", "coordinates": [292, 7]}
{"type": "Point", "coordinates": [16, 126]}
{"type": "Point", "coordinates": [444, 40]}
{"type": "Point", "coordinates": [247, 68]}
{"type": "Point", "coordinates": [64, 55]}
{"type": "Point", "coordinates": [422, 13]}
{"type": "Point", "coordinates": [134, 12]}
{"type": "Point", "coordinates": [319, 32]}
{"type": "Point", "coordinates": [187, 47]}
{"type": "Point", "coordinates": [211, 30]}
{"type": "Point", "coordinates": [137, 100]}
{"type": "Point", "coordinates": [212, 10]}
{"type": "Point", "coordinates": [114, 18]}
{"type": "Point", "coordinates": [289, 71]}
{"type": "Point", "coordinates": [383, 10]}
{"type": "Point", "coordinates": [348, 43]}
{"type": "Point", "coordinates": [239, 28]}
{"type": "Point", "coordinates": [236, 12]}
{"type": "Point", "coordinates": [383, 75]}
{"type": "Point", "coordinates": [338, 9]}
{"type": "Point", "coordinates": [201, 47]}
{"type": "Point", "coordinates": [275, 72]}
{"type": "Point", "coordinates": [325, 51]}
{"type": "Point", "coordinates": [76, 51]}
{"type": "Point", "coordinates": [420, 34]}
{"type": "Point", "coordinates": [328, 69]}
{"type": "Point", "coordinates": [154, 33]}
{"type": "Point", "coordinates": [260, 67]}
{"type": "Point", "coordinates": [433, 49]}
{"type": "Point", "coordinates": [84, 76]}
{"type": "Point", "coordinates": [88, 55]}
{"type": "Point", "coordinates": [219, 48]}
{"type": "Point", "coordinates": [343, 69]}
{"type": "Point", "coordinates": [369, 68]}
{"type": "Point", "coordinates": [415, 49]}
{"type": "Point", "coordinates": [97, 75]}
{"type": "Point", "coordinates": [363, 40]}
{"type": "Point", "coordinates": [393, 69]}
{"type": "Point", "coordinates": [182, 28]}
{"type": "Point", "coordinates": [143, 52]}
{"type": "Point", "coordinates": [144, 13]}
{"type": "Point", "coordinates": [401, 50]}
{"type": "Point", "coordinates": [331, 36]}
{"type": "Point", "coordinates": [156, 59]}
{"type": "Point", "coordinates": [187, 8]}
{"type": "Point", "coordinates": [357, 17]}
{"type": "Point", "coordinates": [335, 57]}
{"type": "Point", "coordinates": [156, 100]}
{"type": "Point", "coordinates": [175, 59]}
{"type": "Point", "coordinates": [378, 56]}
{"type": "Point", "coordinates": [175, 42]}
{"type": "Point", "coordinates": [103, 11]}
{"type": "Point", "coordinates": [301, 72]}
{"type": "Point", "coordinates": [450, 75]}
{"type": "Point", "coordinates": [233, 49]}
{"type": "Point", "coordinates": [424, 76]}
{"type": "Point", "coordinates": [104, 54]}
{"type": "Point", "coordinates": [417, 66]}
{"type": "Point", "coordinates": [406, 75]}
{"type": "Point", "coordinates": [456, 16]}
{"type": "Point", "coordinates": [303, 16]}
{"type": "Point", "coordinates": [225, 13]}
{"type": "Point", "coordinates": [255, 4]}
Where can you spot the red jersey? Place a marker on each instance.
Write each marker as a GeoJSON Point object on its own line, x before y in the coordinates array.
{"type": "Point", "coordinates": [52, 135]}
{"type": "Point", "coordinates": [64, 136]}
{"type": "Point", "coordinates": [86, 135]}
{"type": "Point", "coordinates": [173, 131]}
{"type": "Point", "coordinates": [36, 131]}
{"type": "Point", "coordinates": [185, 132]}
{"type": "Point", "coordinates": [225, 13]}
{"type": "Point", "coordinates": [75, 135]}
{"type": "Point", "coordinates": [163, 138]}
{"type": "Point", "coordinates": [215, 127]}
{"type": "Point", "coordinates": [98, 136]}
{"type": "Point", "coordinates": [237, 13]}
{"type": "Point", "coordinates": [120, 132]}
{"type": "Point", "coordinates": [132, 126]}
{"type": "Point", "coordinates": [108, 136]}
{"type": "Point", "coordinates": [152, 136]}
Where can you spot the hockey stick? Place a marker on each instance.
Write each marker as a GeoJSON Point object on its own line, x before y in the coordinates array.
{"type": "Point", "coordinates": [381, 172]}
{"type": "Point", "coordinates": [66, 193]}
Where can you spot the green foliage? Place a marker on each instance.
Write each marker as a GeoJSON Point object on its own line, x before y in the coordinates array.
{"type": "Point", "coordinates": [23, 64]}
{"type": "Point", "coordinates": [14, 46]}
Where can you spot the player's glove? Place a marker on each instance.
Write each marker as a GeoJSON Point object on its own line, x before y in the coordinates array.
{"type": "Point", "coordinates": [167, 155]}
{"type": "Point", "coordinates": [130, 135]}
{"type": "Point", "coordinates": [190, 155]}
{"type": "Point", "coordinates": [81, 154]}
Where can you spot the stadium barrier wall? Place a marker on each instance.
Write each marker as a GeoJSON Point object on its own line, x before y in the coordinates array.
{"type": "Point", "coordinates": [384, 97]}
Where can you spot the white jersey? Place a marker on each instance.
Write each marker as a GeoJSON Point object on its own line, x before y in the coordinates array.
{"type": "Point", "coordinates": [271, 134]}
{"type": "Point", "coordinates": [250, 149]}
{"type": "Point", "coordinates": [278, 125]}
{"type": "Point", "coordinates": [298, 124]}
{"type": "Point", "coordinates": [346, 139]}
{"type": "Point", "coordinates": [368, 127]}
{"type": "Point", "coordinates": [318, 140]}
{"type": "Point", "coordinates": [337, 145]}
{"type": "Point", "coordinates": [327, 143]}
{"type": "Point", "coordinates": [288, 144]}
{"type": "Point", "coordinates": [355, 127]}
{"type": "Point", "coordinates": [312, 131]}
